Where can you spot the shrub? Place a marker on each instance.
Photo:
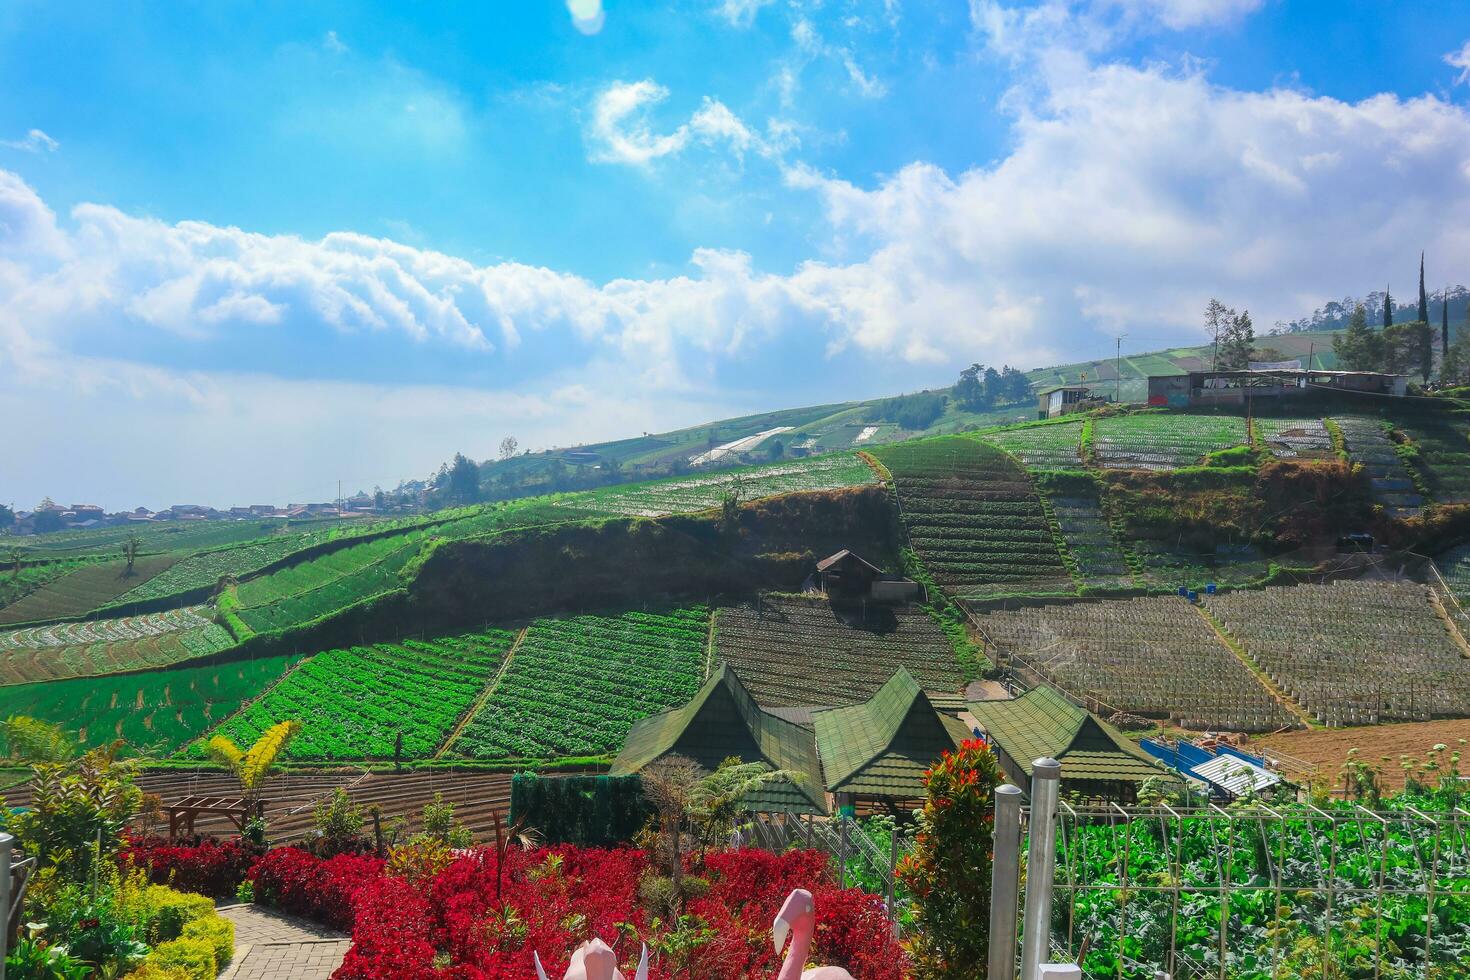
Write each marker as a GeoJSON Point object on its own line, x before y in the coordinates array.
{"type": "Point", "coordinates": [153, 971]}
{"type": "Point", "coordinates": [338, 821]}
{"type": "Point", "coordinates": [948, 872]}
{"type": "Point", "coordinates": [161, 912]}
{"type": "Point", "coordinates": [303, 884]}
{"type": "Point", "coordinates": [211, 867]}
{"type": "Point", "coordinates": [591, 811]}
{"type": "Point", "coordinates": [194, 957]}
{"type": "Point", "coordinates": [219, 932]}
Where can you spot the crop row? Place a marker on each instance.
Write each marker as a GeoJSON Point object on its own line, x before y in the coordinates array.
{"type": "Point", "coordinates": [156, 711]}
{"type": "Point", "coordinates": [1149, 656]}
{"type": "Point", "coordinates": [105, 630]}
{"type": "Point", "coordinates": [1444, 452]}
{"type": "Point", "coordinates": [314, 573]}
{"type": "Point", "coordinates": [84, 589]}
{"type": "Point", "coordinates": [27, 665]}
{"type": "Point", "coordinates": [1353, 652]}
{"type": "Point", "coordinates": [575, 686]}
{"type": "Point", "coordinates": [1170, 568]}
{"type": "Point", "coordinates": [1163, 441]}
{"type": "Point", "coordinates": [688, 494]}
{"type": "Point", "coordinates": [804, 652]}
{"type": "Point", "coordinates": [1090, 541]}
{"type": "Point", "coordinates": [1055, 446]}
{"type": "Point", "coordinates": [1368, 443]}
{"type": "Point", "coordinates": [1295, 438]}
{"type": "Point", "coordinates": [948, 489]}
{"type": "Point", "coordinates": [354, 704]}
{"type": "Point", "coordinates": [205, 569]}
{"type": "Point", "coordinates": [333, 594]}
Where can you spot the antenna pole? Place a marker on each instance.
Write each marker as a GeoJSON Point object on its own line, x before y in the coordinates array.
{"type": "Point", "coordinates": [1118, 369]}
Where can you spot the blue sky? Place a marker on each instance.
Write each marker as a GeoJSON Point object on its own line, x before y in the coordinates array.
{"type": "Point", "coordinates": [246, 249]}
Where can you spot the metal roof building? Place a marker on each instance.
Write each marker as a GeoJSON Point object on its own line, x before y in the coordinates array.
{"type": "Point", "coordinates": [882, 747]}
{"type": "Point", "coordinates": [1096, 760]}
{"type": "Point", "coordinates": [723, 720]}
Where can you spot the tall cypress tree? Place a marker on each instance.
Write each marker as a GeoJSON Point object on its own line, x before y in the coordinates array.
{"type": "Point", "coordinates": [1444, 325]}
{"type": "Point", "coordinates": [1423, 296]}
{"type": "Point", "coordinates": [1387, 308]}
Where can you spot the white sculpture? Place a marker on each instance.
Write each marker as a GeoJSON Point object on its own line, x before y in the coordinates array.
{"type": "Point", "coordinates": [798, 918]}
{"type": "Point", "coordinates": [594, 960]}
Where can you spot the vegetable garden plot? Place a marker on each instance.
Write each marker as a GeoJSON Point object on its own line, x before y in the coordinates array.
{"type": "Point", "coordinates": [1369, 444]}
{"type": "Point", "coordinates": [1352, 652]}
{"type": "Point", "coordinates": [974, 518]}
{"type": "Point", "coordinates": [1149, 656]}
{"type": "Point", "coordinates": [801, 652]}
{"type": "Point", "coordinates": [314, 573]}
{"type": "Point", "coordinates": [84, 589]}
{"type": "Point", "coordinates": [331, 593]}
{"type": "Point", "coordinates": [13, 587]}
{"type": "Point", "coordinates": [686, 495]}
{"type": "Point", "coordinates": [1163, 441]}
{"type": "Point", "coordinates": [1444, 453]}
{"type": "Point", "coordinates": [26, 664]}
{"type": "Point", "coordinates": [104, 630]}
{"type": "Point", "coordinates": [1295, 438]}
{"type": "Point", "coordinates": [204, 570]}
{"type": "Point", "coordinates": [1043, 447]}
{"type": "Point", "coordinates": [575, 686]}
{"type": "Point", "coordinates": [1280, 892]}
{"type": "Point", "coordinates": [1454, 567]}
{"type": "Point", "coordinates": [1090, 540]}
{"type": "Point", "coordinates": [158, 710]}
{"type": "Point", "coordinates": [354, 703]}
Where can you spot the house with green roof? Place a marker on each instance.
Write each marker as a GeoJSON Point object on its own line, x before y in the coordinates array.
{"type": "Point", "coordinates": [878, 750]}
{"type": "Point", "coordinates": [1097, 761]}
{"type": "Point", "coordinates": [723, 720]}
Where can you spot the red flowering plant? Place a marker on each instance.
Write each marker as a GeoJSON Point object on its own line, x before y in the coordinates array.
{"type": "Point", "coordinates": [948, 871]}
{"type": "Point", "coordinates": [210, 867]}
{"type": "Point", "coordinates": [322, 890]}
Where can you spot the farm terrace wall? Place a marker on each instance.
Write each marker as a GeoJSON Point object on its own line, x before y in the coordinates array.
{"type": "Point", "coordinates": [628, 562]}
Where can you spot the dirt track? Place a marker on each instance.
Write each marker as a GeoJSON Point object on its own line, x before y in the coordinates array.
{"type": "Point", "coordinates": [1327, 748]}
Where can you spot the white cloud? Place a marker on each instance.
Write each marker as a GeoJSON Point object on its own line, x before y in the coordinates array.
{"type": "Point", "coordinates": [868, 86]}
{"type": "Point", "coordinates": [1460, 59]}
{"type": "Point", "coordinates": [741, 13]}
{"type": "Point", "coordinates": [34, 141]}
{"type": "Point", "coordinates": [587, 15]}
{"type": "Point", "coordinates": [333, 43]}
{"type": "Point", "coordinates": [621, 132]}
{"type": "Point", "coordinates": [1091, 26]}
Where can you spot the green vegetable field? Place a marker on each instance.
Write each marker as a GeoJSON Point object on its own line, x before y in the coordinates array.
{"type": "Point", "coordinates": [25, 664]}
{"type": "Point", "coordinates": [974, 518]}
{"type": "Point", "coordinates": [1053, 446]}
{"type": "Point", "coordinates": [85, 589]}
{"type": "Point", "coordinates": [157, 711]}
{"type": "Point", "coordinates": [1163, 441]}
{"type": "Point", "coordinates": [354, 703]}
{"type": "Point", "coordinates": [338, 583]}
{"type": "Point", "coordinates": [575, 686]}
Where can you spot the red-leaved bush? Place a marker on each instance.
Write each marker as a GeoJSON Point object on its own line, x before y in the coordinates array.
{"type": "Point", "coordinates": [483, 921]}
{"type": "Point", "coordinates": [211, 867]}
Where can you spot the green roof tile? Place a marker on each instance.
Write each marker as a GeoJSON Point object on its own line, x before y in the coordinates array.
{"type": "Point", "coordinates": [1042, 722]}
{"type": "Point", "coordinates": [723, 720]}
{"type": "Point", "coordinates": [882, 746]}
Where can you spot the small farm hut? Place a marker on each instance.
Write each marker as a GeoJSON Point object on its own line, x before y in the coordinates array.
{"type": "Point", "coordinates": [723, 720]}
{"type": "Point", "coordinates": [851, 577]}
{"type": "Point", "coordinates": [1097, 761]}
{"type": "Point", "coordinates": [877, 751]}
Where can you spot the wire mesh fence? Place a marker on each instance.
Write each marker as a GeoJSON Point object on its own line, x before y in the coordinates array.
{"type": "Point", "coordinates": [1262, 891]}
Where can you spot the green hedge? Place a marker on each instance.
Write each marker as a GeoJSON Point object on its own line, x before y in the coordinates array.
{"type": "Point", "coordinates": [591, 811]}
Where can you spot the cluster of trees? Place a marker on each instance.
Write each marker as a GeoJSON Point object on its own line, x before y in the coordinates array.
{"type": "Point", "coordinates": [1233, 335]}
{"type": "Point", "coordinates": [917, 411]}
{"type": "Point", "coordinates": [1451, 304]}
{"type": "Point", "coordinates": [1398, 348]}
{"type": "Point", "coordinates": [981, 387]}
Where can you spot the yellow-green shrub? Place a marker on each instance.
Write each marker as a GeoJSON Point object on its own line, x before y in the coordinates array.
{"type": "Point", "coordinates": [195, 957]}
{"type": "Point", "coordinates": [161, 912]}
{"type": "Point", "coordinates": [151, 971]}
{"type": "Point", "coordinates": [219, 932]}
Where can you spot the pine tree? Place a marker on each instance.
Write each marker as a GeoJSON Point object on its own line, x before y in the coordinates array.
{"type": "Point", "coordinates": [1424, 347]}
{"type": "Point", "coordinates": [1387, 309]}
{"type": "Point", "coordinates": [1423, 296]}
{"type": "Point", "coordinates": [1358, 348]}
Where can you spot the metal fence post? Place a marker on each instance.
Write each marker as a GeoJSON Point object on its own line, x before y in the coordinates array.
{"type": "Point", "coordinates": [1005, 882]}
{"type": "Point", "coordinates": [1046, 775]}
{"type": "Point", "coordinates": [7, 843]}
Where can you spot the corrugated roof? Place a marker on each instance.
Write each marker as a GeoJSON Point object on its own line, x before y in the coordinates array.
{"type": "Point", "coordinates": [831, 560]}
{"type": "Point", "coordinates": [882, 746]}
{"type": "Point", "coordinates": [723, 720]}
{"type": "Point", "coordinates": [1042, 722]}
{"type": "Point", "coordinates": [1237, 776]}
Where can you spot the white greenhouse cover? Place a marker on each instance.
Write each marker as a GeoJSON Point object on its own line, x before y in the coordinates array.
{"type": "Point", "coordinates": [1236, 775]}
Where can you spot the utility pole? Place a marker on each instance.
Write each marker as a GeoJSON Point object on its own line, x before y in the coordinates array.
{"type": "Point", "coordinates": [339, 503]}
{"type": "Point", "coordinates": [1118, 368]}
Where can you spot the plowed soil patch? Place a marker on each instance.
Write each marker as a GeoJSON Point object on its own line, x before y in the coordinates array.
{"type": "Point", "coordinates": [1327, 748]}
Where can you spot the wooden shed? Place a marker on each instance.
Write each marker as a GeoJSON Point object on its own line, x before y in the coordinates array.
{"type": "Point", "coordinates": [1097, 761]}
{"type": "Point", "coordinates": [723, 720]}
{"type": "Point", "coordinates": [879, 750]}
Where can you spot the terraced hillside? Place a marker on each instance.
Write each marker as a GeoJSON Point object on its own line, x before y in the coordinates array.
{"type": "Point", "coordinates": [701, 491]}
{"type": "Point", "coordinates": [307, 591]}
{"type": "Point", "coordinates": [106, 646]}
{"type": "Point", "coordinates": [85, 589]}
{"type": "Point", "coordinates": [1294, 438]}
{"type": "Point", "coordinates": [155, 712]}
{"type": "Point", "coordinates": [1151, 656]}
{"type": "Point", "coordinates": [1048, 446]}
{"type": "Point", "coordinates": [1353, 652]}
{"type": "Point", "coordinates": [1089, 539]}
{"type": "Point", "coordinates": [575, 685]}
{"type": "Point", "coordinates": [1442, 451]}
{"type": "Point", "coordinates": [1368, 443]}
{"type": "Point", "coordinates": [1163, 441]}
{"type": "Point", "coordinates": [974, 518]}
{"type": "Point", "coordinates": [356, 703]}
{"type": "Point", "coordinates": [803, 652]}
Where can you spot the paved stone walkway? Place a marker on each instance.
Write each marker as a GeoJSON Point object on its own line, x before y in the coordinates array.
{"type": "Point", "coordinates": [270, 945]}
